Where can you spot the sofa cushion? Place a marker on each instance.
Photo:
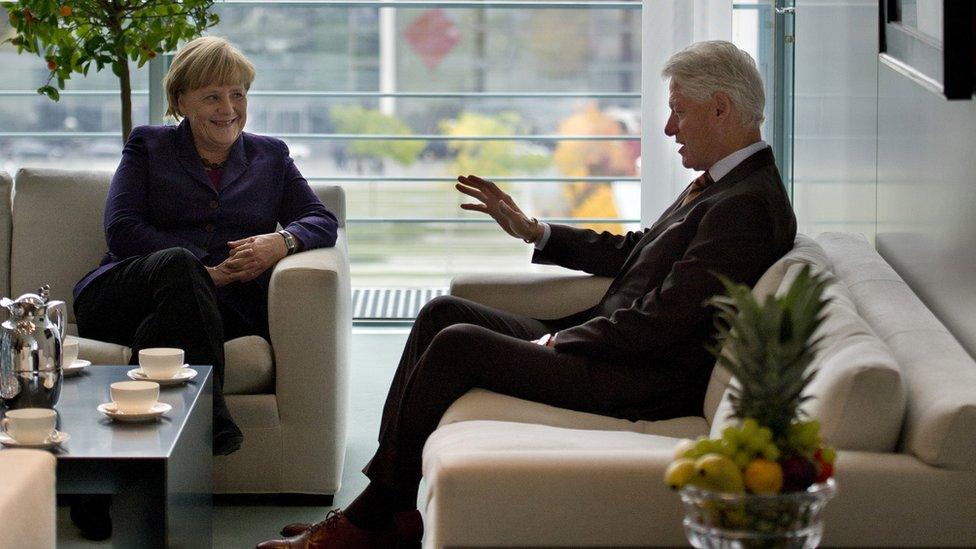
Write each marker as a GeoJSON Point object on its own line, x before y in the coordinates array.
{"type": "Point", "coordinates": [479, 404]}
{"type": "Point", "coordinates": [248, 369]}
{"type": "Point", "coordinates": [250, 366]}
{"type": "Point", "coordinates": [805, 251]}
{"type": "Point", "coordinates": [857, 394]}
{"type": "Point", "coordinates": [940, 377]}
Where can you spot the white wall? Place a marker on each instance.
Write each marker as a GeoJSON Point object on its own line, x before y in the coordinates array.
{"type": "Point", "coordinates": [880, 154]}
{"type": "Point", "coordinates": [835, 122]}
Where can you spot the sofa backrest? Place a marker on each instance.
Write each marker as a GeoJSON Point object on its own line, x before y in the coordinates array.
{"type": "Point", "coordinates": [57, 233]}
{"type": "Point", "coordinates": [940, 421]}
{"type": "Point", "coordinates": [804, 251]}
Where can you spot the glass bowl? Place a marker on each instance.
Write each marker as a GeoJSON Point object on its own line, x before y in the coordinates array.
{"type": "Point", "coordinates": [727, 521]}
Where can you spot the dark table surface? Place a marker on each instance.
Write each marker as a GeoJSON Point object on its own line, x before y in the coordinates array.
{"type": "Point", "coordinates": [95, 435]}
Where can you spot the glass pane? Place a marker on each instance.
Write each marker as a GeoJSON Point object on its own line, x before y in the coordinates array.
{"type": "Point", "coordinates": [571, 56]}
{"type": "Point", "coordinates": [556, 90]}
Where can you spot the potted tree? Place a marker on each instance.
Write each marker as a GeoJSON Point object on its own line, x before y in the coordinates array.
{"type": "Point", "coordinates": [72, 36]}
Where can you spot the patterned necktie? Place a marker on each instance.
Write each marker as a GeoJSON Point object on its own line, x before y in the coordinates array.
{"type": "Point", "coordinates": [696, 187]}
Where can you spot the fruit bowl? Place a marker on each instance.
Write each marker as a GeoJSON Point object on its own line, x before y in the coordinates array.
{"type": "Point", "coordinates": [787, 520]}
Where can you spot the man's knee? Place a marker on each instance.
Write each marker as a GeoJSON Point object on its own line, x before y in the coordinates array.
{"type": "Point", "coordinates": [459, 341]}
{"type": "Point", "coordinates": [442, 311]}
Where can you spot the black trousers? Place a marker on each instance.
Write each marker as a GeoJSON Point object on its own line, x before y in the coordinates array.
{"type": "Point", "coordinates": [456, 345]}
{"type": "Point", "coordinates": [164, 299]}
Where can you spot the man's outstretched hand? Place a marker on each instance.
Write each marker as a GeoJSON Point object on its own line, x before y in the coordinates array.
{"type": "Point", "coordinates": [500, 206]}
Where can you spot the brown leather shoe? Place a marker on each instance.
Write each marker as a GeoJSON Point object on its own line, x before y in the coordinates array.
{"type": "Point", "coordinates": [337, 531]}
{"type": "Point", "coordinates": [295, 528]}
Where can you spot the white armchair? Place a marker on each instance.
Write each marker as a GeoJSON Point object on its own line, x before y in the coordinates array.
{"type": "Point", "coordinates": [27, 502]}
{"type": "Point", "coordinates": [289, 397]}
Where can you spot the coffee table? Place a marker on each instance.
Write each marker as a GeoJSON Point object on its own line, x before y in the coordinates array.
{"type": "Point", "coordinates": [159, 473]}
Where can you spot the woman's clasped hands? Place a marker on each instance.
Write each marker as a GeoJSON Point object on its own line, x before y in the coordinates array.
{"type": "Point", "coordinates": [249, 257]}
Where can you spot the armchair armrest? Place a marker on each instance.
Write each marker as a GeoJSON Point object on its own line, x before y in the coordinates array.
{"type": "Point", "coordinates": [310, 320]}
{"type": "Point", "coordinates": [536, 295]}
{"type": "Point", "coordinates": [27, 501]}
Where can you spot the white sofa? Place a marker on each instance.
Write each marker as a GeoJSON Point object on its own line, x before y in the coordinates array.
{"type": "Point", "coordinates": [27, 501]}
{"type": "Point", "coordinates": [289, 397]}
{"type": "Point", "coordinates": [896, 394]}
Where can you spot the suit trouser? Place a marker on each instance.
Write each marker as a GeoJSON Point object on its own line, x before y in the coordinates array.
{"type": "Point", "coordinates": [162, 299]}
{"type": "Point", "coordinates": [457, 345]}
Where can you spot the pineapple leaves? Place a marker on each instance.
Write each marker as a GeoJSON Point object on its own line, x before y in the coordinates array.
{"type": "Point", "coordinates": [769, 347]}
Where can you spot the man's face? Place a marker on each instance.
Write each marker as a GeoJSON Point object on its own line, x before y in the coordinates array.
{"type": "Point", "coordinates": [694, 126]}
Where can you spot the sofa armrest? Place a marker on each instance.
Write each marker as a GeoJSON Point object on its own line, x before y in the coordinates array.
{"type": "Point", "coordinates": [310, 320]}
{"type": "Point", "coordinates": [591, 498]}
{"type": "Point", "coordinates": [537, 295]}
{"type": "Point", "coordinates": [27, 501]}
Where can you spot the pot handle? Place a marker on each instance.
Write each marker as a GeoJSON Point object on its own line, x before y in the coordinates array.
{"type": "Point", "coordinates": [60, 316]}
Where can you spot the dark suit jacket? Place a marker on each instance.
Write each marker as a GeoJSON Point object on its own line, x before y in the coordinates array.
{"type": "Point", "coordinates": [161, 197]}
{"type": "Point", "coordinates": [653, 312]}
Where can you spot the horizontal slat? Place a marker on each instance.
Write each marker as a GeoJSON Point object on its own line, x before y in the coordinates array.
{"type": "Point", "coordinates": [346, 94]}
{"type": "Point", "coordinates": [361, 137]}
{"type": "Point", "coordinates": [474, 4]}
{"type": "Point", "coordinates": [526, 179]}
{"type": "Point", "coordinates": [475, 221]}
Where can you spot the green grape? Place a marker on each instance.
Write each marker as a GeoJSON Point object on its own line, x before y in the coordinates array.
{"type": "Point", "coordinates": [765, 434]}
{"type": "Point", "coordinates": [771, 452]}
{"type": "Point", "coordinates": [742, 459]}
{"type": "Point", "coordinates": [731, 434]}
{"type": "Point", "coordinates": [749, 428]}
{"type": "Point", "coordinates": [714, 446]}
{"type": "Point", "coordinates": [702, 446]}
{"type": "Point", "coordinates": [727, 449]}
{"type": "Point", "coordinates": [829, 454]}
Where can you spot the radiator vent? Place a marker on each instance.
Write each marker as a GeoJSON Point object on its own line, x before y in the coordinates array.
{"type": "Point", "coordinates": [391, 303]}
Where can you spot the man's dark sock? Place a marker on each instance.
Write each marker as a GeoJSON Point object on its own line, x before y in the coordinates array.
{"type": "Point", "coordinates": [373, 509]}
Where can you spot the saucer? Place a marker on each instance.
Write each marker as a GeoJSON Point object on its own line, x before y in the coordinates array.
{"type": "Point", "coordinates": [76, 368]}
{"type": "Point", "coordinates": [184, 375]}
{"type": "Point", "coordinates": [54, 440]}
{"type": "Point", "coordinates": [157, 410]}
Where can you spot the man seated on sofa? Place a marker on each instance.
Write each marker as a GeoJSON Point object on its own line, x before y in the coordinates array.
{"type": "Point", "coordinates": [637, 354]}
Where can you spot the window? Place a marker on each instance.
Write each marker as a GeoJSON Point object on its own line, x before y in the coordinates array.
{"type": "Point", "coordinates": [543, 97]}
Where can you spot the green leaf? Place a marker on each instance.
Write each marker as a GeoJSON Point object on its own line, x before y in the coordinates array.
{"type": "Point", "coordinates": [50, 91]}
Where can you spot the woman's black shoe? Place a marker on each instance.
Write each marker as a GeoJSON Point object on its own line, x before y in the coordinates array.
{"type": "Point", "coordinates": [227, 441]}
{"type": "Point", "coordinates": [90, 513]}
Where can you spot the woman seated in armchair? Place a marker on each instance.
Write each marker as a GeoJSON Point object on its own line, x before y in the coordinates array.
{"type": "Point", "coordinates": [190, 224]}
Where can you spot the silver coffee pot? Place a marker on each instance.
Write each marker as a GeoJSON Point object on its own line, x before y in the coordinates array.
{"type": "Point", "coordinates": [30, 351]}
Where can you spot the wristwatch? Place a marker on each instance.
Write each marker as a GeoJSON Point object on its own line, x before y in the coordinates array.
{"type": "Point", "coordinates": [290, 242]}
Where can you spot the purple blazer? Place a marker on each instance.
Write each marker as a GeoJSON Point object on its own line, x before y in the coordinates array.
{"type": "Point", "coordinates": [161, 197]}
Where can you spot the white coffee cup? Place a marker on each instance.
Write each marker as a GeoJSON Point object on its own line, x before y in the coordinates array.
{"type": "Point", "coordinates": [161, 362]}
{"type": "Point", "coordinates": [134, 397]}
{"type": "Point", "coordinates": [69, 351]}
{"type": "Point", "coordinates": [30, 425]}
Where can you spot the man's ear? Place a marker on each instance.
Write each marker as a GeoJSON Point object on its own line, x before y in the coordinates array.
{"type": "Point", "coordinates": [722, 105]}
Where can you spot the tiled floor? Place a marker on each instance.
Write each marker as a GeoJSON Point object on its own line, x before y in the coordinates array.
{"type": "Point", "coordinates": [375, 353]}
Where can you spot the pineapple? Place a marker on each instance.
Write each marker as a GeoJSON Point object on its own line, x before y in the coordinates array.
{"type": "Point", "coordinates": [768, 349]}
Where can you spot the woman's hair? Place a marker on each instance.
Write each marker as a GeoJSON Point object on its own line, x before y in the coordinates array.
{"type": "Point", "coordinates": [704, 68]}
{"type": "Point", "coordinates": [206, 61]}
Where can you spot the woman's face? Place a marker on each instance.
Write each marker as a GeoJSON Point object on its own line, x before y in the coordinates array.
{"type": "Point", "coordinates": [216, 114]}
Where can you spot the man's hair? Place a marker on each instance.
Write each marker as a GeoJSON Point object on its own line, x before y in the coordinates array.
{"type": "Point", "coordinates": [704, 68]}
{"type": "Point", "coordinates": [206, 61]}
